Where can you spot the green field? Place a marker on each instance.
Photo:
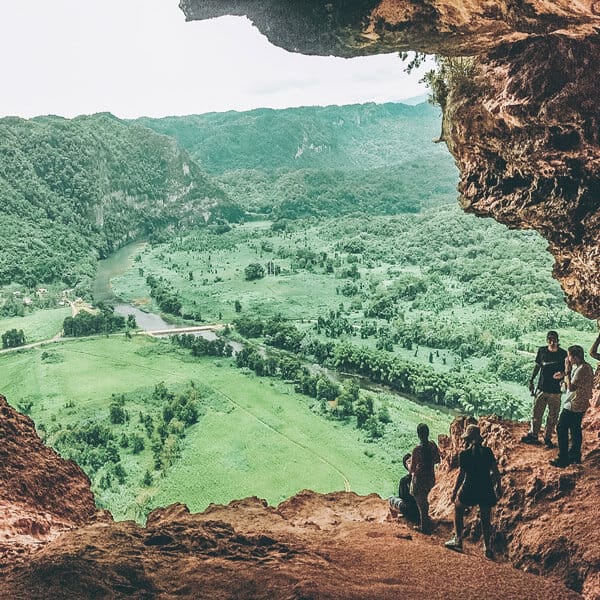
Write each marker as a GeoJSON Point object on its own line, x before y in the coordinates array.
{"type": "Point", "coordinates": [461, 293]}
{"type": "Point", "coordinates": [254, 436]}
{"type": "Point", "coordinates": [39, 325]}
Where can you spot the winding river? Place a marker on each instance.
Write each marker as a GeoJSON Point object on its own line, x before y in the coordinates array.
{"type": "Point", "coordinates": [118, 264]}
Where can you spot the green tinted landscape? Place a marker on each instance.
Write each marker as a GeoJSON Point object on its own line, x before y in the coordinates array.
{"type": "Point", "coordinates": [358, 300]}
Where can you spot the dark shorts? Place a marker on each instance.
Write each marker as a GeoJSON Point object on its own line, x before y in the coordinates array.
{"type": "Point", "coordinates": [473, 496]}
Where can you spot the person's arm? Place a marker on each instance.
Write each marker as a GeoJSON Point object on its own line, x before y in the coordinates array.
{"type": "Point", "coordinates": [571, 384]}
{"type": "Point", "coordinates": [435, 454]}
{"type": "Point", "coordinates": [459, 481]}
{"type": "Point", "coordinates": [594, 349]}
{"type": "Point", "coordinates": [536, 370]}
{"type": "Point", "coordinates": [414, 461]}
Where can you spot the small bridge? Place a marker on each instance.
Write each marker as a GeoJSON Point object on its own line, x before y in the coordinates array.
{"type": "Point", "coordinates": [196, 329]}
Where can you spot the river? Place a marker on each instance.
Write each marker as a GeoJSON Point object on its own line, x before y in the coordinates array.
{"type": "Point", "coordinates": [115, 265]}
{"type": "Point", "coordinates": [118, 264]}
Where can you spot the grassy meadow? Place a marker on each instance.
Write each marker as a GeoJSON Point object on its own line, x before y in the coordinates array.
{"type": "Point", "coordinates": [38, 325]}
{"type": "Point", "coordinates": [254, 436]}
{"type": "Point", "coordinates": [458, 293]}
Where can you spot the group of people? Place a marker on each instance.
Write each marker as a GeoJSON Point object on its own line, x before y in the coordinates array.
{"type": "Point", "coordinates": [478, 481]}
{"type": "Point", "coordinates": [559, 371]}
{"type": "Point", "coordinates": [477, 484]}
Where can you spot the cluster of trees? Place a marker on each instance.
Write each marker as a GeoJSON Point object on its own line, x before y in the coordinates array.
{"type": "Point", "coordinates": [98, 446]}
{"type": "Point", "coordinates": [334, 325]}
{"type": "Point", "coordinates": [165, 296]}
{"type": "Point", "coordinates": [200, 346]}
{"type": "Point", "coordinates": [13, 338]}
{"type": "Point", "coordinates": [91, 445]}
{"type": "Point", "coordinates": [471, 392]}
{"type": "Point", "coordinates": [178, 412]}
{"type": "Point", "coordinates": [104, 321]}
{"type": "Point", "coordinates": [254, 271]}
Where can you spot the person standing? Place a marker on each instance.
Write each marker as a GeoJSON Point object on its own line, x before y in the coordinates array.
{"type": "Point", "coordinates": [477, 484]}
{"type": "Point", "coordinates": [549, 363]}
{"type": "Point", "coordinates": [423, 459]}
{"type": "Point", "coordinates": [579, 380]}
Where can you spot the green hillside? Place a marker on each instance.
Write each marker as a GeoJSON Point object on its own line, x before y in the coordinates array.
{"type": "Point", "coordinates": [75, 190]}
{"type": "Point", "coordinates": [316, 161]}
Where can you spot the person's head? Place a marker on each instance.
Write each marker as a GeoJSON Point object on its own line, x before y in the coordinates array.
{"type": "Point", "coordinates": [472, 435]}
{"type": "Point", "coordinates": [423, 432]}
{"type": "Point", "coordinates": [552, 339]}
{"type": "Point", "coordinates": [405, 461]}
{"type": "Point", "coordinates": [576, 354]}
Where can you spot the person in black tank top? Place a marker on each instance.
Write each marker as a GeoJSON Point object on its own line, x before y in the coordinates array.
{"type": "Point", "coordinates": [477, 483]}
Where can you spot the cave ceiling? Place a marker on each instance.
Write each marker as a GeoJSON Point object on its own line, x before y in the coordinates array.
{"type": "Point", "coordinates": [524, 123]}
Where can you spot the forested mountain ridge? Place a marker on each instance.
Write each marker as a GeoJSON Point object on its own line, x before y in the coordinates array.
{"type": "Point", "coordinates": [75, 190]}
{"type": "Point", "coordinates": [357, 135]}
{"type": "Point", "coordinates": [322, 160]}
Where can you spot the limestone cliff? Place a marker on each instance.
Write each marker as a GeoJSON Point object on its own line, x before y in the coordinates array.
{"type": "Point", "coordinates": [524, 132]}
{"type": "Point", "coordinates": [41, 494]}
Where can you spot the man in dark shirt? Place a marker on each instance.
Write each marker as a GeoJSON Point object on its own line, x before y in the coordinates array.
{"type": "Point", "coordinates": [549, 363]}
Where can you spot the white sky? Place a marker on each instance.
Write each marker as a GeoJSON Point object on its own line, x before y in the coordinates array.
{"type": "Point", "coordinates": [140, 57]}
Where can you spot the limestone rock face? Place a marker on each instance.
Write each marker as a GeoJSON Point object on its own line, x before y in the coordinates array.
{"type": "Point", "coordinates": [524, 131]}
{"type": "Point", "coordinates": [55, 544]}
{"type": "Point", "coordinates": [41, 494]}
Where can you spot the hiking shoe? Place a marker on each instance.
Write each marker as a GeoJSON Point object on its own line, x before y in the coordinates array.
{"type": "Point", "coordinates": [488, 553]}
{"type": "Point", "coordinates": [454, 544]}
{"type": "Point", "coordinates": [557, 462]}
{"type": "Point", "coordinates": [424, 530]}
{"type": "Point", "coordinates": [549, 444]}
{"type": "Point", "coordinates": [530, 439]}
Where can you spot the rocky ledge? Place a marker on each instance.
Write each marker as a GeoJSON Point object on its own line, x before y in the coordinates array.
{"type": "Point", "coordinates": [312, 546]}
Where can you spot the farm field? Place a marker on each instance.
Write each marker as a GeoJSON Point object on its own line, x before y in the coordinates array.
{"type": "Point", "coordinates": [253, 436]}
{"type": "Point", "coordinates": [38, 325]}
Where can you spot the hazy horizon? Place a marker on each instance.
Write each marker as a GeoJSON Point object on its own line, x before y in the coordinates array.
{"type": "Point", "coordinates": [412, 101]}
{"type": "Point", "coordinates": [143, 59]}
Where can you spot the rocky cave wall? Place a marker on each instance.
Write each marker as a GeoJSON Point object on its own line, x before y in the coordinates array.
{"type": "Point", "coordinates": [523, 125]}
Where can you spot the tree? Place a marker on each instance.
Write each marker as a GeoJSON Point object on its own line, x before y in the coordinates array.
{"type": "Point", "coordinates": [254, 271]}
{"type": "Point", "coordinates": [13, 338]}
{"type": "Point", "coordinates": [327, 389]}
{"type": "Point", "coordinates": [147, 480]}
{"type": "Point", "coordinates": [117, 414]}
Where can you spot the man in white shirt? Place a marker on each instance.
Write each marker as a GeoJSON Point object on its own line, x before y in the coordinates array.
{"type": "Point", "coordinates": [579, 379]}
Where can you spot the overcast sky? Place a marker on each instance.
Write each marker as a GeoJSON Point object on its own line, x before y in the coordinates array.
{"type": "Point", "coordinates": [140, 57]}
